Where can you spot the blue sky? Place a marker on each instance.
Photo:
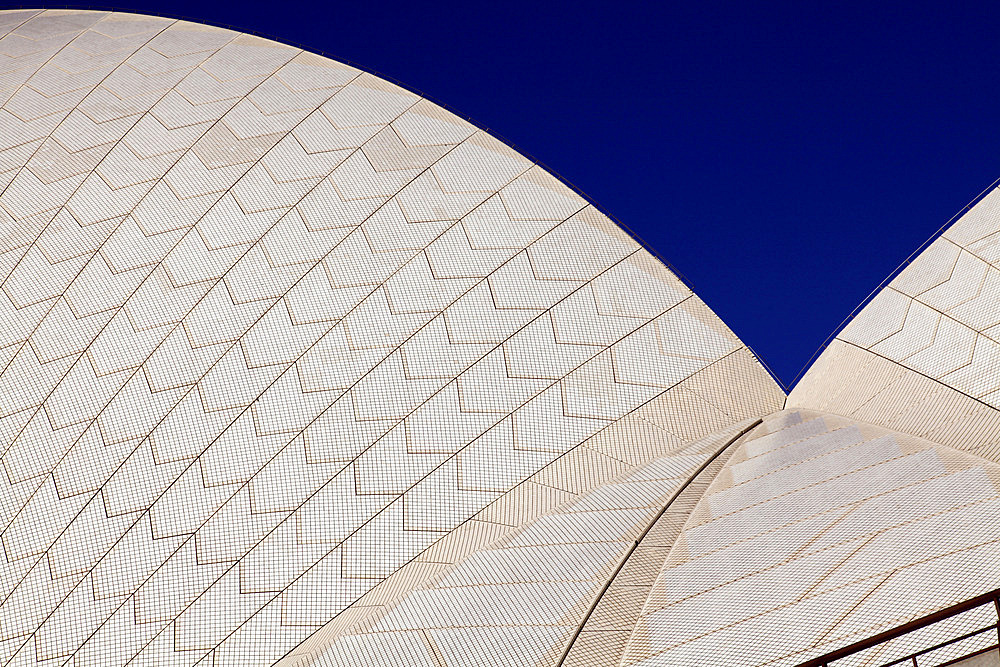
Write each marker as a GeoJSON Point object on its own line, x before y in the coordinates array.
{"type": "Point", "coordinates": [784, 157]}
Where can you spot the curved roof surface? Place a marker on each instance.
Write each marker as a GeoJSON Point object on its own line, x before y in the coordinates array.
{"type": "Point", "coordinates": [299, 368]}
{"type": "Point", "coordinates": [922, 356]}
{"type": "Point", "coordinates": [284, 343]}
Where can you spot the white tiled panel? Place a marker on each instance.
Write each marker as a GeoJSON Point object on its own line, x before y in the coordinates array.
{"type": "Point", "coordinates": [272, 329]}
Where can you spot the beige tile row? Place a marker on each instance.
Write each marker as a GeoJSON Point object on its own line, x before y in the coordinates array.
{"type": "Point", "coordinates": [524, 590]}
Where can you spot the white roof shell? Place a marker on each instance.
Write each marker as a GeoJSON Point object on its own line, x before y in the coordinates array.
{"type": "Point", "coordinates": [279, 340]}
{"type": "Point", "coordinates": [299, 368]}
{"type": "Point", "coordinates": [923, 356]}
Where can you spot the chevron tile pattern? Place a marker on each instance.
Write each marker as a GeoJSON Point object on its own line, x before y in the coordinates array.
{"type": "Point", "coordinates": [298, 368]}
{"type": "Point", "coordinates": [922, 356]}
{"type": "Point", "coordinates": [280, 340]}
{"type": "Point", "coordinates": [539, 575]}
{"type": "Point", "coordinates": [539, 579]}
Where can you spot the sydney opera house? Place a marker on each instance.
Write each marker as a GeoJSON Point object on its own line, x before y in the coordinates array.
{"type": "Point", "coordinates": [298, 368]}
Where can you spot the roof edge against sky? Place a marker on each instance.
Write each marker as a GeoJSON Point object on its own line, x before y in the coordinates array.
{"type": "Point", "coordinates": [786, 387]}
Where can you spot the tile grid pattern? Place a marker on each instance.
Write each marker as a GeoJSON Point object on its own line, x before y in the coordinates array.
{"type": "Point", "coordinates": [272, 327]}
{"type": "Point", "coordinates": [930, 636]}
{"type": "Point", "coordinates": [540, 575]}
{"type": "Point", "coordinates": [298, 368]}
{"type": "Point", "coordinates": [603, 638]}
{"type": "Point", "coordinates": [922, 356]}
{"type": "Point", "coordinates": [638, 437]}
{"type": "Point", "coordinates": [817, 535]}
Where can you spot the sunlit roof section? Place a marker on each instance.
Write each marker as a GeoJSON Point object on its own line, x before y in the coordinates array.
{"type": "Point", "coordinates": [923, 356]}
{"type": "Point", "coordinates": [280, 339]}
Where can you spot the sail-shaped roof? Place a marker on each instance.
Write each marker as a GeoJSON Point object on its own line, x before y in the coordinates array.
{"type": "Point", "coordinates": [280, 340]}
{"type": "Point", "coordinates": [300, 368]}
{"type": "Point", "coordinates": [923, 356]}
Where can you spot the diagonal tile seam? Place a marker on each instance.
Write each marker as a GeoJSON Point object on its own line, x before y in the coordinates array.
{"type": "Point", "coordinates": [794, 443]}
{"type": "Point", "coordinates": [65, 205]}
{"type": "Point", "coordinates": [922, 561]}
{"type": "Point", "coordinates": [888, 432]}
{"type": "Point", "coordinates": [41, 66]}
{"type": "Point", "coordinates": [276, 300]}
{"type": "Point", "coordinates": [814, 458]}
{"type": "Point", "coordinates": [979, 289]}
{"type": "Point", "coordinates": [903, 455]}
{"type": "Point", "coordinates": [729, 443]}
{"type": "Point", "coordinates": [68, 114]}
{"type": "Point", "coordinates": [796, 555]}
{"type": "Point", "coordinates": [14, 28]}
{"type": "Point", "coordinates": [697, 486]}
{"type": "Point", "coordinates": [437, 467]}
{"type": "Point", "coordinates": [805, 549]}
{"type": "Point", "coordinates": [942, 626]}
{"type": "Point", "coordinates": [417, 254]}
{"type": "Point", "coordinates": [941, 314]}
{"type": "Point", "coordinates": [194, 386]}
{"type": "Point", "coordinates": [951, 272]}
{"type": "Point", "coordinates": [723, 409]}
{"type": "Point", "coordinates": [41, 406]}
{"type": "Point", "coordinates": [688, 448]}
{"type": "Point", "coordinates": [158, 264]}
{"type": "Point", "coordinates": [864, 542]}
{"type": "Point", "coordinates": [785, 605]}
{"type": "Point", "coordinates": [95, 87]}
{"type": "Point", "coordinates": [400, 495]}
{"type": "Point", "coordinates": [151, 112]}
{"type": "Point", "coordinates": [853, 505]}
{"type": "Point", "coordinates": [665, 430]}
{"type": "Point", "coordinates": [683, 449]}
{"type": "Point", "coordinates": [183, 152]}
{"type": "Point", "coordinates": [895, 621]}
{"type": "Point", "coordinates": [837, 620]}
{"type": "Point", "coordinates": [935, 380]}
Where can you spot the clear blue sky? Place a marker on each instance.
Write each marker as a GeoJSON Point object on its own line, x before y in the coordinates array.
{"type": "Point", "coordinates": [784, 157]}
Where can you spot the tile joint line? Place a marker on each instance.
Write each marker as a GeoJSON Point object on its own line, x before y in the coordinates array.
{"type": "Point", "coordinates": [649, 527]}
